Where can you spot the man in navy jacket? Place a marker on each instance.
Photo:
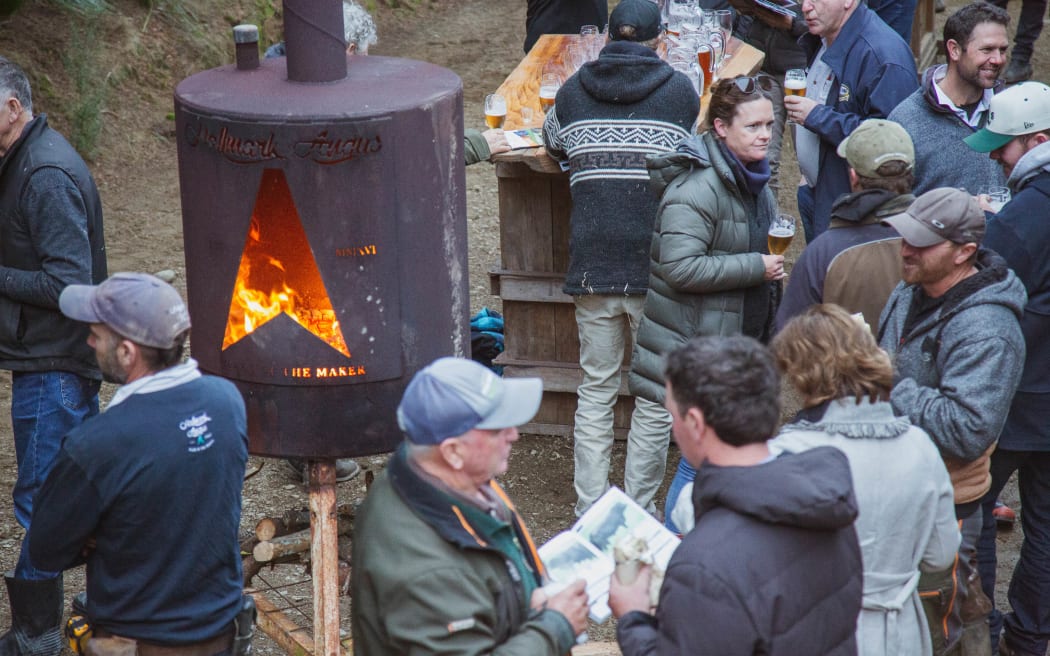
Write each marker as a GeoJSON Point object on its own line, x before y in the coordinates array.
{"type": "Point", "coordinates": [1017, 136]}
{"type": "Point", "coordinates": [858, 68]}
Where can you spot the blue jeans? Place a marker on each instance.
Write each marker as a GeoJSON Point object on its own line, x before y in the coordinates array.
{"type": "Point", "coordinates": [1027, 625]}
{"type": "Point", "coordinates": [898, 14]}
{"type": "Point", "coordinates": [682, 477]}
{"type": "Point", "coordinates": [44, 407]}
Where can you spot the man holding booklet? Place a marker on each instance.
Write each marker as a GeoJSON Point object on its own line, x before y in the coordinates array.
{"type": "Point", "coordinates": [772, 565]}
{"type": "Point", "coordinates": [444, 563]}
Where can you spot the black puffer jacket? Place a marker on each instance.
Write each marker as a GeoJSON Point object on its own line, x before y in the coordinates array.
{"type": "Point", "coordinates": [772, 566]}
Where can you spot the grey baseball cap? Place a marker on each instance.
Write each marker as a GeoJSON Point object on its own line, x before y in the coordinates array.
{"type": "Point", "coordinates": [137, 306]}
{"type": "Point", "coordinates": [939, 215]}
{"type": "Point", "coordinates": [453, 395]}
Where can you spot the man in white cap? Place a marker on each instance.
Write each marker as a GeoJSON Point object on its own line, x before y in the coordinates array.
{"type": "Point", "coordinates": [953, 328]}
{"type": "Point", "coordinates": [1017, 136]}
{"type": "Point", "coordinates": [148, 493]}
{"type": "Point", "coordinates": [442, 561]}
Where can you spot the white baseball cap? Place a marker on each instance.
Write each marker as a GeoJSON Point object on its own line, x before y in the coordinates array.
{"type": "Point", "coordinates": [1022, 109]}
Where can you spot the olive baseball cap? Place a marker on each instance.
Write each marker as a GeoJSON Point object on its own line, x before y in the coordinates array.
{"type": "Point", "coordinates": [1022, 109]}
{"type": "Point", "coordinates": [642, 15]}
{"type": "Point", "coordinates": [939, 215]}
{"type": "Point", "coordinates": [875, 142]}
{"type": "Point", "coordinates": [451, 396]}
{"type": "Point", "coordinates": [136, 306]}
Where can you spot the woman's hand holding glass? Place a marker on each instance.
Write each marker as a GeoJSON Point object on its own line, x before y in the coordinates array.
{"type": "Point", "coordinates": [774, 267]}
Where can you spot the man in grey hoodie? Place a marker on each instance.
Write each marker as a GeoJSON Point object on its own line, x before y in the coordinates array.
{"type": "Point", "coordinates": [953, 328]}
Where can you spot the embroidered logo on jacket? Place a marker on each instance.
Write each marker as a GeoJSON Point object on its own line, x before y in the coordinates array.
{"type": "Point", "coordinates": [843, 93]}
{"type": "Point", "coordinates": [198, 434]}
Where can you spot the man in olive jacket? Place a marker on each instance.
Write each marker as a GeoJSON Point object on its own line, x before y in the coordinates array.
{"type": "Point", "coordinates": [442, 562]}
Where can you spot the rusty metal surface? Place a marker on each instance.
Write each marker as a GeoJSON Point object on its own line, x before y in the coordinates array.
{"type": "Point", "coordinates": [313, 38]}
{"type": "Point", "coordinates": [368, 171]}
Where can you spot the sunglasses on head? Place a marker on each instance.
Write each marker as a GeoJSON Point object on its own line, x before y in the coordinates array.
{"type": "Point", "coordinates": [749, 84]}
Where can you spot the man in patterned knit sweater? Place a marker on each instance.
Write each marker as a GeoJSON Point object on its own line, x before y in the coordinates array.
{"type": "Point", "coordinates": [607, 118]}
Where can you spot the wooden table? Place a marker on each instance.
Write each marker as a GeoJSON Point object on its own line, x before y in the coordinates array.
{"type": "Point", "coordinates": [541, 337]}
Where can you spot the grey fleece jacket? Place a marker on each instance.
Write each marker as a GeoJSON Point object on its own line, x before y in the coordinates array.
{"type": "Point", "coordinates": [942, 159]}
{"type": "Point", "coordinates": [957, 369]}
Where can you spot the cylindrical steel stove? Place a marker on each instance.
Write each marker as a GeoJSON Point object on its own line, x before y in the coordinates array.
{"type": "Point", "coordinates": [325, 234]}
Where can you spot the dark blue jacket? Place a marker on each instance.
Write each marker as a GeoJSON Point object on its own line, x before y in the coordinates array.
{"type": "Point", "coordinates": [1020, 233]}
{"type": "Point", "coordinates": [874, 70]}
{"type": "Point", "coordinates": [156, 482]}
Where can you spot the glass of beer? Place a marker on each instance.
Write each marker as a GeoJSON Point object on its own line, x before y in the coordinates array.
{"type": "Point", "coordinates": [549, 85]}
{"type": "Point", "coordinates": [795, 83]}
{"type": "Point", "coordinates": [781, 232]}
{"type": "Point", "coordinates": [705, 59]}
{"type": "Point", "coordinates": [495, 110]}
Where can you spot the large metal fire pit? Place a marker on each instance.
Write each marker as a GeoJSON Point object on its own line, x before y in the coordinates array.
{"type": "Point", "coordinates": [325, 234]}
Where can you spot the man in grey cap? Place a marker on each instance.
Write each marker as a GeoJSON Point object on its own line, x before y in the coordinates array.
{"type": "Point", "coordinates": [952, 327]}
{"type": "Point", "coordinates": [148, 493]}
{"type": "Point", "coordinates": [1018, 138]}
{"type": "Point", "coordinates": [443, 562]}
{"type": "Point", "coordinates": [857, 263]}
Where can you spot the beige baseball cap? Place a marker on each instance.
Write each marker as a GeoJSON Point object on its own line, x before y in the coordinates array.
{"type": "Point", "coordinates": [875, 142]}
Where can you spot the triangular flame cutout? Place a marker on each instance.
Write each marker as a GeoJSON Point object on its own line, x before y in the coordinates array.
{"type": "Point", "coordinates": [278, 273]}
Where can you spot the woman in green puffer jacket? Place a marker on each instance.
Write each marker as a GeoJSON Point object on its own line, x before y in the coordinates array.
{"type": "Point", "coordinates": [710, 268]}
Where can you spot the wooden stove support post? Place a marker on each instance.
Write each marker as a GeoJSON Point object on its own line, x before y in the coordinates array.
{"type": "Point", "coordinates": [324, 557]}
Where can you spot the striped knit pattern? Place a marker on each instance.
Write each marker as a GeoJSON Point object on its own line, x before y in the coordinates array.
{"type": "Point", "coordinates": [607, 119]}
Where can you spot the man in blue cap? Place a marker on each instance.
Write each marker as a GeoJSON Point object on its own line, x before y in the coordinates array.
{"type": "Point", "coordinates": [442, 561]}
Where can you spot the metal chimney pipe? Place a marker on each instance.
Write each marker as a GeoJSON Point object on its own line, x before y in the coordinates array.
{"type": "Point", "coordinates": [246, 38]}
{"type": "Point", "coordinates": [313, 38]}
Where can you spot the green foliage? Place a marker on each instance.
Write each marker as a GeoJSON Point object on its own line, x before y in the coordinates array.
{"type": "Point", "coordinates": [82, 61]}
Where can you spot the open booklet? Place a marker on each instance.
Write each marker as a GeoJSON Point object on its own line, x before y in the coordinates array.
{"type": "Point", "coordinates": [524, 138]}
{"type": "Point", "coordinates": [586, 550]}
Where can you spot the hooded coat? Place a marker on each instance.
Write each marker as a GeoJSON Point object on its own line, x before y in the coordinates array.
{"type": "Point", "coordinates": [1020, 233]}
{"type": "Point", "coordinates": [772, 566]}
{"type": "Point", "coordinates": [701, 261]}
{"type": "Point", "coordinates": [856, 263]}
{"type": "Point", "coordinates": [907, 515]}
{"type": "Point", "coordinates": [956, 369]}
{"type": "Point", "coordinates": [607, 118]}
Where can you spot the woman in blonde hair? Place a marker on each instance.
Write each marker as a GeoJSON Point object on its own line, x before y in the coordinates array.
{"type": "Point", "coordinates": [907, 517]}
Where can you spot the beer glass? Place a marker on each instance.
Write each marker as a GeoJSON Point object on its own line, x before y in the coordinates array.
{"type": "Point", "coordinates": [705, 58]}
{"type": "Point", "coordinates": [997, 197]}
{"type": "Point", "coordinates": [717, 43]}
{"type": "Point", "coordinates": [495, 110]}
{"type": "Point", "coordinates": [549, 85]}
{"type": "Point", "coordinates": [724, 20]}
{"type": "Point", "coordinates": [781, 232]}
{"type": "Point", "coordinates": [795, 83]}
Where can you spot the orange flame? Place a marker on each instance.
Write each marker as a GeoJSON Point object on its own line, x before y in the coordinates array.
{"type": "Point", "coordinates": [266, 287]}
